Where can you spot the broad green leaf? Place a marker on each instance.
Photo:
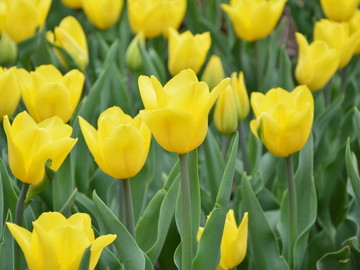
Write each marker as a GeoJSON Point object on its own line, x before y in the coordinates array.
{"type": "Point", "coordinates": [339, 260]}
{"type": "Point", "coordinates": [153, 225]}
{"type": "Point", "coordinates": [352, 171]}
{"type": "Point", "coordinates": [7, 246]}
{"type": "Point", "coordinates": [148, 65]}
{"type": "Point", "coordinates": [208, 253]}
{"type": "Point", "coordinates": [85, 260]}
{"type": "Point", "coordinates": [129, 252]}
{"type": "Point", "coordinates": [265, 256]}
{"type": "Point", "coordinates": [306, 205]}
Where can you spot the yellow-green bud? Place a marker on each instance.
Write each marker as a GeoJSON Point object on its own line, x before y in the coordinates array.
{"type": "Point", "coordinates": [133, 56]}
{"type": "Point", "coordinates": [213, 72]}
{"type": "Point", "coordinates": [8, 49]}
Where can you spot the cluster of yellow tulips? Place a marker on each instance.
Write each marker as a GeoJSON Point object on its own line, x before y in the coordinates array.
{"type": "Point", "coordinates": [183, 85]}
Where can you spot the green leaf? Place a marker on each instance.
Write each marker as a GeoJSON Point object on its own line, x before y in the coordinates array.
{"type": "Point", "coordinates": [266, 256]}
{"type": "Point", "coordinates": [148, 65]}
{"type": "Point", "coordinates": [356, 123]}
{"type": "Point", "coordinates": [9, 198]}
{"type": "Point", "coordinates": [7, 246]}
{"type": "Point", "coordinates": [85, 260]}
{"type": "Point", "coordinates": [339, 260]}
{"type": "Point", "coordinates": [153, 225]}
{"type": "Point", "coordinates": [352, 171]}
{"type": "Point", "coordinates": [208, 253]}
{"type": "Point", "coordinates": [306, 205]}
{"type": "Point", "coordinates": [129, 252]}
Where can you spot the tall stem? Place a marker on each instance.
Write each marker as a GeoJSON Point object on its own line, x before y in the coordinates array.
{"type": "Point", "coordinates": [20, 204]}
{"type": "Point", "coordinates": [129, 210]}
{"type": "Point", "coordinates": [292, 210]}
{"type": "Point", "coordinates": [186, 214]}
{"type": "Point", "coordinates": [243, 144]}
{"type": "Point", "coordinates": [122, 202]}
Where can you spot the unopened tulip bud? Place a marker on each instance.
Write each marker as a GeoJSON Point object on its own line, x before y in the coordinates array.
{"type": "Point", "coordinates": [8, 50]}
{"type": "Point", "coordinates": [214, 72]}
{"type": "Point", "coordinates": [133, 56]}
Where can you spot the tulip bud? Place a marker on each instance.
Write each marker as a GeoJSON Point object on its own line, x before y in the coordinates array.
{"type": "Point", "coordinates": [70, 36]}
{"type": "Point", "coordinates": [254, 19]}
{"type": "Point", "coordinates": [339, 37]}
{"type": "Point", "coordinates": [120, 145]}
{"type": "Point", "coordinates": [177, 113]}
{"type": "Point", "coordinates": [213, 72]}
{"type": "Point", "coordinates": [103, 14]}
{"type": "Point", "coordinates": [187, 51]}
{"type": "Point", "coordinates": [232, 105]}
{"type": "Point", "coordinates": [74, 4]}
{"type": "Point", "coordinates": [155, 17]}
{"type": "Point", "coordinates": [283, 119]}
{"type": "Point", "coordinates": [8, 50]}
{"type": "Point", "coordinates": [30, 145]}
{"type": "Point", "coordinates": [339, 11]}
{"type": "Point", "coordinates": [234, 241]}
{"type": "Point", "coordinates": [60, 242]}
{"type": "Point", "coordinates": [355, 27]}
{"type": "Point", "coordinates": [133, 56]}
{"type": "Point", "coordinates": [9, 91]}
{"type": "Point", "coordinates": [317, 62]}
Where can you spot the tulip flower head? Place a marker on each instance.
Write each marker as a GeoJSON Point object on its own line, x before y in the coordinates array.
{"type": "Point", "coordinates": [70, 36]}
{"type": "Point", "coordinates": [75, 4]}
{"type": "Point", "coordinates": [254, 19]}
{"type": "Point", "coordinates": [317, 62]}
{"type": "Point", "coordinates": [30, 145]}
{"type": "Point", "coordinates": [340, 11]}
{"type": "Point", "coordinates": [283, 119]}
{"type": "Point", "coordinates": [8, 49]}
{"type": "Point", "coordinates": [155, 17]}
{"type": "Point", "coordinates": [102, 13]}
{"type": "Point", "coordinates": [355, 27]}
{"type": "Point", "coordinates": [177, 113]}
{"type": "Point", "coordinates": [120, 145]}
{"type": "Point", "coordinates": [46, 92]}
{"type": "Point", "coordinates": [133, 56]}
{"type": "Point", "coordinates": [234, 241]}
{"type": "Point", "coordinates": [21, 18]}
{"type": "Point", "coordinates": [187, 51]}
{"type": "Point", "coordinates": [59, 243]}
{"type": "Point", "coordinates": [9, 91]}
{"type": "Point", "coordinates": [213, 72]}
{"type": "Point", "coordinates": [232, 105]}
{"type": "Point", "coordinates": [339, 37]}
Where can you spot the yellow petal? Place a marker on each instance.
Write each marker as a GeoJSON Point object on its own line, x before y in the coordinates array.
{"type": "Point", "coordinates": [74, 82]}
{"type": "Point", "coordinates": [97, 247]}
{"type": "Point", "coordinates": [83, 222]}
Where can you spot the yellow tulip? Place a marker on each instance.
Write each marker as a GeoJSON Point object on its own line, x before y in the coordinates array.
{"type": "Point", "coordinates": [21, 18]}
{"type": "Point", "coordinates": [30, 145]}
{"type": "Point", "coordinates": [339, 10]}
{"type": "Point", "coordinates": [70, 36]}
{"type": "Point", "coordinates": [187, 50]}
{"type": "Point", "coordinates": [213, 72]}
{"type": "Point", "coordinates": [339, 37]}
{"type": "Point", "coordinates": [102, 13]}
{"type": "Point", "coordinates": [120, 145]}
{"type": "Point", "coordinates": [234, 241]}
{"type": "Point", "coordinates": [155, 17]}
{"type": "Point", "coordinates": [355, 27]}
{"type": "Point", "coordinates": [232, 105]}
{"type": "Point", "coordinates": [46, 92]}
{"type": "Point", "coordinates": [254, 19]}
{"type": "Point", "coordinates": [59, 243]}
{"type": "Point", "coordinates": [283, 119]}
{"type": "Point", "coordinates": [177, 114]}
{"type": "Point", "coordinates": [317, 62]}
{"type": "Point", "coordinates": [75, 4]}
{"type": "Point", "coordinates": [9, 91]}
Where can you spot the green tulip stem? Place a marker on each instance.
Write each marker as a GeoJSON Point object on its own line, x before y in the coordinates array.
{"type": "Point", "coordinates": [122, 203]}
{"type": "Point", "coordinates": [243, 144]}
{"type": "Point", "coordinates": [186, 214]}
{"type": "Point", "coordinates": [129, 210]}
{"type": "Point", "coordinates": [292, 210]}
{"type": "Point", "coordinates": [20, 205]}
{"type": "Point", "coordinates": [224, 144]}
